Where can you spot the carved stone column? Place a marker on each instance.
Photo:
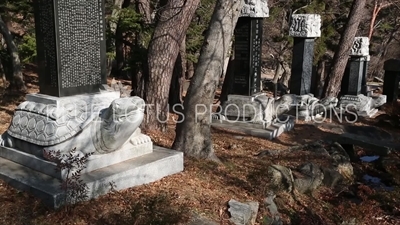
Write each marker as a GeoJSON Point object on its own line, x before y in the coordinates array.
{"type": "Point", "coordinates": [246, 63]}
{"type": "Point", "coordinates": [355, 80]}
{"type": "Point", "coordinates": [391, 79]}
{"type": "Point", "coordinates": [71, 46]}
{"type": "Point", "coordinates": [304, 28]}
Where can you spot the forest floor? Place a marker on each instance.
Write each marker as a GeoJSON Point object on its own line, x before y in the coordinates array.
{"type": "Point", "coordinates": [205, 187]}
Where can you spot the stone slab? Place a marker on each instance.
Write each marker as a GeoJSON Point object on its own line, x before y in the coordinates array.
{"type": "Point", "coordinates": [257, 130]}
{"type": "Point", "coordinates": [104, 96]}
{"type": "Point", "coordinates": [134, 172]}
{"type": "Point", "coordinates": [241, 98]}
{"type": "Point", "coordinates": [94, 162]}
{"type": "Point", "coordinates": [48, 99]}
{"type": "Point", "coordinates": [379, 147]}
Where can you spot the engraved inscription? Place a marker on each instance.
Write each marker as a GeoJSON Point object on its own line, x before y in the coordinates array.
{"type": "Point", "coordinates": [240, 80]}
{"type": "Point", "coordinates": [350, 98]}
{"type": "Point", "coordinates": [256, 55]}
{"type": "Point", "coordinates": [47, 36]}
{"type": "Point", "coordinates": [81, 32]}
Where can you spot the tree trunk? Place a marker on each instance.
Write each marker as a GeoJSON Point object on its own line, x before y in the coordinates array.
{"type": "Point", "coordinates": [17, 79]}
{"type": "Point", "coordinates": [193, 134]}
{"type": "Point", "coordinates": [378, 6]}
{"type": "Point", "coordinates": [119, 43]}
{"type": "Point", "coordinates": [189, 70]}
{"type": "Point", "coordinates": [115, 15]}
{"type": "Point", "coordinates": [373, 18]}
{"type": "Point", "coordinates": [175, 92]}
{"type": "Point", "coordinates": [342, 54]}
{"type": "Point", "coordinates": [140, 67]}
{"type": "Point", "coordinates": [143, 7]}
{"type": "Point", "coordinates": [227, 82]}
{"type": "Point", "coordinates": [163, 50]}
{"type": "Point", "coordinates": [285, 78]}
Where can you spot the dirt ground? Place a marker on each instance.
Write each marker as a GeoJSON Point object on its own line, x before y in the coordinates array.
{"type": "Point", "coordinates": [205, 187]}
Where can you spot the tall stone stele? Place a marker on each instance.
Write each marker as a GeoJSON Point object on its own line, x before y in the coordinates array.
{"type": "Point", "coordinates": [355, 79]}
{"type": "Point", "coordinates": [71, 46]}
{"type": "Point", "coordinates": [75, 111]}
{"type": "Point", "coordinates": [304, 28]}
{"type": "Point", "coordinates": [391, 79]}
{"type": "Point", "coordinates": [246, 63]}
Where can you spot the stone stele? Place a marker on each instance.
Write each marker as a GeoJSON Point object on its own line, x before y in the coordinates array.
{"type": "Point", "coordinates": [255, 8]}
{"type": "Point", "coordinates": [305, 25]}
{"type": "Point", "coordinates": [360, 47]}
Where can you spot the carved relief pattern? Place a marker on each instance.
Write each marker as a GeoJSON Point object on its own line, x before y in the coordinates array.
{"type": "Point", "coordinates": [305, 25]}
{"type": "Point", "coordinates": [255, 8]}
{"type": "Point", "coordinates": [360, 47]}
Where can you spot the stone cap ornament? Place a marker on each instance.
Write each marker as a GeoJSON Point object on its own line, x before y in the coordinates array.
{"type": "Point", "coordinates": [255, 8]}
{"type": "Point", "coordinates": [360, 47]}
{"type": "Point", "coordinates": [305, 25]}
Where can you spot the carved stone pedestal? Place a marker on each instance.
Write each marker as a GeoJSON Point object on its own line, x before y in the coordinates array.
{"type": "Point", "coordinates": [274, 130]}
{"type": "Point", "coordinates": [312, 109]}
{"type": "Point", "coordinates": [125, 157]}
{"type": "Point", "coordinates": [364, 106]}
{"type": "Point", "coordinates": [256, 115]}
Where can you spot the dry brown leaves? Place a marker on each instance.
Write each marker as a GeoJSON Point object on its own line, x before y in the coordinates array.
{"type": "Point", "coordinates": [203, 187]}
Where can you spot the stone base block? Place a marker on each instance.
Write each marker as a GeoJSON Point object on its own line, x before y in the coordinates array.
{"type": "Point", "coordinates": [94, 103]}
{"type": "Point", "coordinates": [286, 123]}
{"type": "Point", "coordinates": [365, 114]}
{"type": "Point", "coordinates": [133, 172]}
{"type": "Point", "coordinates": [94, 161]}
{"type": "Point", "coordinates": [107, 96]}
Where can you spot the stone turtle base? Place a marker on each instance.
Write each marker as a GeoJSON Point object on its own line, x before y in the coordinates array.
{"type": "Point", "coordinates": [286, 123]}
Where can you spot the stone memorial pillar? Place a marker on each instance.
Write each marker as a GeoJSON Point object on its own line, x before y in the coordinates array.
{"type": "Point", "coordinates": [304, 28]}
{"type": "Point", "coordinates": [246, 63]}
{"type": "Point", "coordinates": [355, 81]}
{"type": "Point", "coordinates": [354, 96]}
{"type": "Point", "coordinates": [391, 79]}
{"type": "Point", "coordinates": [71, 46]}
